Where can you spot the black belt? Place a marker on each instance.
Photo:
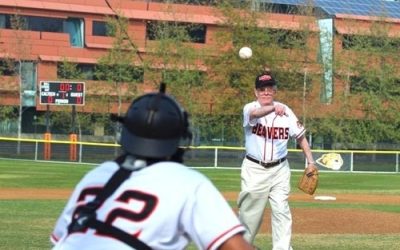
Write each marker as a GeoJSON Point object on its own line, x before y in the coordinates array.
{"type": "Point", "coordinates": [266, 164]}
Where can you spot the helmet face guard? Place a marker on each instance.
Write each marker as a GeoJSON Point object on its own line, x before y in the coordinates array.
{"type": "Point", "coordinates": [154, 126]}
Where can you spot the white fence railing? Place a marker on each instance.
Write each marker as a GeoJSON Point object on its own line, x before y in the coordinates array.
{"type": "Point", "coordinates": [201, 156]}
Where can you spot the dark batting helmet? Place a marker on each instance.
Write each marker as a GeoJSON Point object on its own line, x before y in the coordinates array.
{"type": "Point", "coordinates": [154, 126]}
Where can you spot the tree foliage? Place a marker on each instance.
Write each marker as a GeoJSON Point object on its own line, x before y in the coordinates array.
{"type": "Point", "coordinates": [77, 120]}
{"type": "Point", "coordinates": [367, 110]}
{"type": "Point", "coordinates": [365, 113]}
{"type": "Point", "coordinates": [283, 52]}
{"type": "Point", "coordinates": [213, 84]}
{"type": "Point", "coordinates": [180, 69]}
{"type": "Point", "coordinates": [117, 66]}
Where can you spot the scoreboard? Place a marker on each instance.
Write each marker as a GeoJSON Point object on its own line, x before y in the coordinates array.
{"type": "Point", "coordinates": [62, 93]}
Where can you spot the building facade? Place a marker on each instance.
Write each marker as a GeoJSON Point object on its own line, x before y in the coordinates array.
{"type": "Point", "coordinates": [39, 36]}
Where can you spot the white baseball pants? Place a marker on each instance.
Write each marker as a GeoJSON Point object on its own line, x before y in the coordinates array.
{"type": "Point", "coordinates": [259, 186]}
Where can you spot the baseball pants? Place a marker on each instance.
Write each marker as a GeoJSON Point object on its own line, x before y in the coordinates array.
{"type": "Point", "coordinates": [258, 187]}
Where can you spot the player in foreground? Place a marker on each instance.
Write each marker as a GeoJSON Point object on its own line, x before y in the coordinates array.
{"type": "Point", "coordinates": [147, 199]}
{"type": "Point", "coordinates": [265, 173]}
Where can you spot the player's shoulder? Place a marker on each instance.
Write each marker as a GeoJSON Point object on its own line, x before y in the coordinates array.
{"type": "Point", "coordinates": [177, 171]}
{"type": "Point", "coordinates": [176, 167]}
{"type": "Point", "coordinates": [251, 105]}
{"type": "Point", "coordinates": [104, 168]}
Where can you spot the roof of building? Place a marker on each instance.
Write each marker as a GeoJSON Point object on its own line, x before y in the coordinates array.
{"type": "Point", "coordinates": [374, 8]}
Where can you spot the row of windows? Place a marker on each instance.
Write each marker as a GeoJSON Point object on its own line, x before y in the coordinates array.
{"type": "Point", "coordinates": [33, 23]}
{"type": "Point", "coordinates": [370, 42]}
{"type": "Point", "coordinates": [286, 9]}
{"type": "Point", "coordinates": [285, 39]}
{"type": "Point", "coordinates": [72, 26]}
{"type": "Point", "coordinates": [359, 84]}
{"type": "Point", "coordinates": [135, 74]}
{"type": "Point", "coordinates": [289, 81]}
{"type": "Point", "coordinates": [187, 32]}
{"type": "Point", "coordinates": [195, 33]}
{"type": "Point", "coordinates": [93, 72]}
{"type": "Point", "coordinates": [156, 30]}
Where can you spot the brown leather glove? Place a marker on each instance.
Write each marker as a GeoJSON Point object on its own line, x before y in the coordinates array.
{"type": "Point", "coordinates": [308, 182]}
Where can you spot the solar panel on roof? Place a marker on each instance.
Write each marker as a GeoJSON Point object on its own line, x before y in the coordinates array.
{"type": "Point", "coordinates": [379, 8]}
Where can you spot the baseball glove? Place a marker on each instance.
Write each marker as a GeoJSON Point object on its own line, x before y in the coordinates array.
{"type": "Point", "coordinates": [309, 180]}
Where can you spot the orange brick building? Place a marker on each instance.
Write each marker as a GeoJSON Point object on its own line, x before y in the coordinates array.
{"type": "Point", "coordinates": [74, 30]}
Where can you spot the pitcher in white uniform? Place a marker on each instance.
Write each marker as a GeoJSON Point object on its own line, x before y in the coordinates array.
{"type": "Point", "coordinates": [147, 199]}
{"type": "Point", "coordinates": [265, 172]}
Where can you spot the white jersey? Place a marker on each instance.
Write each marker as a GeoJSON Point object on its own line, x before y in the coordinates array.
{"type": "Point", "coordinates": [185, 206]}
{"type": "Point", "coordinates": [267, 136]}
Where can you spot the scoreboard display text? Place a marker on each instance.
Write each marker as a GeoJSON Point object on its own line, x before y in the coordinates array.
{"type": "Point", "coordinates": [62, 93]}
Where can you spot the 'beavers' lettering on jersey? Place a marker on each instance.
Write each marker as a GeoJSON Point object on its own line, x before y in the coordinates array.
{"type": "Point", "coordinates": [271, 132]}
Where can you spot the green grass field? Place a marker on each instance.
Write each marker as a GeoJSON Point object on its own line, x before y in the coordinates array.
{"type": "Point", "coordinates": [27, 223]}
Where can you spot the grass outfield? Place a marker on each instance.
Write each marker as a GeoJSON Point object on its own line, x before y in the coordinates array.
{"type": "Point", "coordinates": [26, 224]}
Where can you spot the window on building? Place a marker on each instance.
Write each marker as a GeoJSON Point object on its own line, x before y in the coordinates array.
{"type": "Point", "coordinates": [68, 70]}
{"type": "Point", "coordinates": [288, 39]}
{"type": "Point", "coordinates": [279, 8]}
{"type": "Point", "coordinates": [186, 77]}
{"type": "Point", "coordinates": [88, 72]}
{"type": "Point", "coordinates": [289, 9]}
{"type": "Point", "coordinates": [2, 21]}
{"type": "Point", "coordinates": [131, 74]}
{"type": "Point", "coordinates": [184, 32]}
{"type": "Point", "coordinates": [359, 84]}
{"type": "Point", "coordinates": [293, 81]}
{"type": "Point", "coordinates": [75, 28]}
{"type": "Point", "coordinates": [45, 24]}
{"type": "Point", "coordinates": [99, 28]}
{"type": "Point", "coordinates": [76, 71]}
{"type": "Point", "coordinates": [72, 26]}
{"type": "Point", "coordinates": [8, 21]}
{"type": "Point", "coordinates": [33, 23]}
{"type": "Point", "coordinates": [285, 39]}
{"type": "Point", "coordinates": [7, 67]}
{"type": "Point", "coordinates": [361, 42]}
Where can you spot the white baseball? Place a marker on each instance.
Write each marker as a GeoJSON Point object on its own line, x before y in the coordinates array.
{"type": "Point", "coordinates": [245, 53]}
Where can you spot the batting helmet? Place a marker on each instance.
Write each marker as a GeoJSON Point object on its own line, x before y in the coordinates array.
{"type": "Point", "coordinates": [154, 126]}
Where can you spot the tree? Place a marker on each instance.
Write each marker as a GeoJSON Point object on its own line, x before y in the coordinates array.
{"type": "Point", "coordinates": [69, 71]}
{"type": "Point", "coordinates": [284, 52]}
{"type": "Point", "coordinates": [367, 109]}
{"type": "Point", "coordinates": [8, 114]}
{"type": "Point", "coordinates": [372, 79]}
{"type": "Point", "coordinates": [117, 66]}
{"type": "Point", "coordinates": [24, 68]}
{"type": "Point", "coordinates": [180, 69]}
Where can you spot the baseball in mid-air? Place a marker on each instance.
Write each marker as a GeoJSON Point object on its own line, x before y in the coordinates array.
{"type": "Point", "coordinates": [245, 53]}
